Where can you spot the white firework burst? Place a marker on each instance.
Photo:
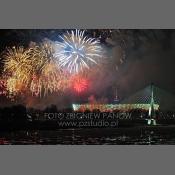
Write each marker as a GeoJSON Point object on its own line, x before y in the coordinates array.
{"type": "Point", "coordinates": [77, 52]}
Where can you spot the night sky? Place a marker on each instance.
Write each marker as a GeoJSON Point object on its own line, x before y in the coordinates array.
{"type": "Point", "coordinates": [135, 58]}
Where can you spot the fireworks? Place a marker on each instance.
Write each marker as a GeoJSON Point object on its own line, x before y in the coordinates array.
{"type": "Point", "coordinates": [3, 86]}
{"type": "Point", "coordinates": [47, 77]}
{"type": "Point", "coordinates": [50, 67]}
{"type": "Point", "coordinates": [7, 87]}
{"type": "Point", "coordinates": [79, 83]}
{"type": "Point", "coordinates": [17, 70]}
{"type": "Point", "coordinates": [18, 63]}
{"type": "Point", "coordinates": [51, 79]}
{"type": "Point", "coordinates": [33, 68]}
{"type": "Point", "coordinates": [77, 51]}
{"type": "Point", "coordinates": [42, 55]}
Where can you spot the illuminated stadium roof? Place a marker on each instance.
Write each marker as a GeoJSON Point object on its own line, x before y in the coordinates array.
{"type": "Point", "coordinates": [112, 107]}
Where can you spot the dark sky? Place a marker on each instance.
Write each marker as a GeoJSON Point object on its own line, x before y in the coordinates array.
{"type": "Point", "coordinates": [151, 60]}
{"type": "Point", "coordinates": [135, 59]}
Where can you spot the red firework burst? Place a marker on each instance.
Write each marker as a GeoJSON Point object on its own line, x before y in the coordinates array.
{"type": "Point", "coordinates": [80, 84]}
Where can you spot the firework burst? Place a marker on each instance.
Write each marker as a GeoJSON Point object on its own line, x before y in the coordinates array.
{"type": "Point", "coordinates": [50, 80]}
{"type": "Point", "coordinates": [18, 63]}
{"type": "Point", "coordinates": [47, 77]}
{"type": "Point", "coordinates": [42, 55]}
{"type": "Point", "coordinates": [77, 51]}
{"type": "Point", "coordinates": [79, 83]}
{"type": "Point", "coordinates": [33, 69]}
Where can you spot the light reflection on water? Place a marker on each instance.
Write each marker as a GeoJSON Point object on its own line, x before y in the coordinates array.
{"type": "Point", "coordinates": [101, 136]}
